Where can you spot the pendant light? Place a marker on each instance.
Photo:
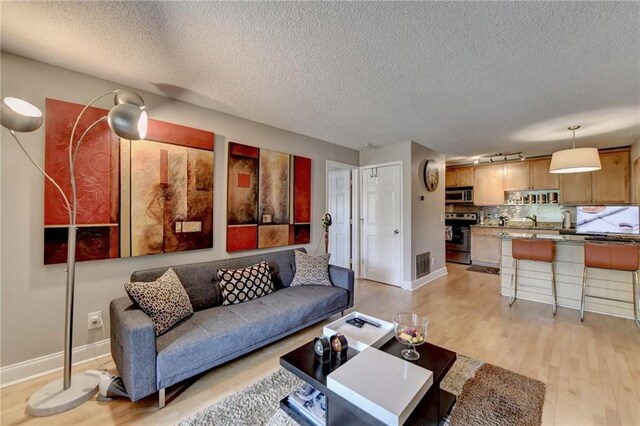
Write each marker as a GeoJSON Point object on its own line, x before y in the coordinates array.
{"type": "Point", "coordinates": [575, 160]}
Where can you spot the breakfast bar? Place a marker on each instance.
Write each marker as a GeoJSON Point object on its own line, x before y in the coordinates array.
{"type": "Point", "coordinates": [534, 277]}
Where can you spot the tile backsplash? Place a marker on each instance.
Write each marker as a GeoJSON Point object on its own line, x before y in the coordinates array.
{"type": "Point", "coordinates": [516, 212]}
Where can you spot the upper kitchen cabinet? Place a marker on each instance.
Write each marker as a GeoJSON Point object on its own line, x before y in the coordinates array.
{"type": "Point", "coordinates": [529, 175]}
{"type": "Point", "coordinates": [459, 176]}
{"type": "Point", "coordinates": [540, 176]}
{"type": "Point", "coordinates": [609, 185]}
{"type": "Point", "coordinates": [488, 185]}
{"type": "Point", "coordinates": [576, 188]}
{"type": "Point", "coordinates": [517, 176]}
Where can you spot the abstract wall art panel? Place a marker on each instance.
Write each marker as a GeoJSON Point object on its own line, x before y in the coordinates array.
{"type": "Point", "coordinates": [134, 197]}
{"type": "Point", "coordinates": [262, 210]}
{"type": "Point", "coordinates": [273, 236]}
{"type": "Point", "coordinates": [242, 237]}
{"type": "Point", "coordinates": [242, 196]}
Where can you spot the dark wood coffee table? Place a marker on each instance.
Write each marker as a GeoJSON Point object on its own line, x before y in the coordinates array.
{"type": "Point", "coordinates": [432, 408]}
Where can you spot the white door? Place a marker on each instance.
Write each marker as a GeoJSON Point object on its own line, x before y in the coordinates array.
{"type": "Point", "coordinates": [381, 224]}
{"type": "Point", "coordinates": [340, 211]}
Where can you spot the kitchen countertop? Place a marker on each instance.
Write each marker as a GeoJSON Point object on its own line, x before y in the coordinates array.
{"type": "Point", "coordinates": [572, 239]}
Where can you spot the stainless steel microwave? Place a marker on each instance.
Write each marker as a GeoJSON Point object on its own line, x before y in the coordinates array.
{"type": "Point", "coordinates": [458, 196]}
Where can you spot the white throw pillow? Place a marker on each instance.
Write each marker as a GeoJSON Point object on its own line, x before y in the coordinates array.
{"type": "Point", "coordinates": [311, 270]}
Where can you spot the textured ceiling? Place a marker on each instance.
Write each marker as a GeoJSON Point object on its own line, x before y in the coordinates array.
{"type": "Point", "coordinates": [462, 78]}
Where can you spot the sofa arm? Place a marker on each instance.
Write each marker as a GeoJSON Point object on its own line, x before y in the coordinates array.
{"type": "Point", "coordinates": [133, 347]}
{"type": "Point", "coordinates": [343, 278]}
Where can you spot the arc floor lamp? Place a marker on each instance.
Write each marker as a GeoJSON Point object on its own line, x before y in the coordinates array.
{"type": "Point", "coordinates": [127, 119]}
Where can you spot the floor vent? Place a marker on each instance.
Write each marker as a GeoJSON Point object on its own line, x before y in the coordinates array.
{"type": "Point", "coordinates": [423, 264]}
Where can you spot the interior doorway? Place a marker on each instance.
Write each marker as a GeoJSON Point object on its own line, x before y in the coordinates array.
{"type": "Point", "coordinates": [381, 223]}
{"type": "Point", "coordinates": [341, 196]}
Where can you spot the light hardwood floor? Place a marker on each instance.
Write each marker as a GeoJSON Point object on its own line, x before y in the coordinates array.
{"type": "Point", "coordinates": [592, 370]}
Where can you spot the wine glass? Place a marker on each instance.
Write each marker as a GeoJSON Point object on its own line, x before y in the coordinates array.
{"type": "Point", "coordinates": [411, 330]}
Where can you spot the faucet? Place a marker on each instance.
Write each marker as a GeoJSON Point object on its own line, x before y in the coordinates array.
{"type": "Point", "coordinates": [533, 218]}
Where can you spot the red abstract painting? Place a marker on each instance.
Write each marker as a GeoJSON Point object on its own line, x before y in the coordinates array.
{"type": "Point", "coordinates": [111, 222]}
{"type": "Point", "coordinates": [268, 198]}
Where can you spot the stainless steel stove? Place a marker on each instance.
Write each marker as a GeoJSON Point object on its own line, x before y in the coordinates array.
{"type": "Point", "coordinates": [459, 239]}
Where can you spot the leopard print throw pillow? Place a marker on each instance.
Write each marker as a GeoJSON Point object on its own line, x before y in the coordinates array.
{"type": "Point", "coordinates": [164, 300]}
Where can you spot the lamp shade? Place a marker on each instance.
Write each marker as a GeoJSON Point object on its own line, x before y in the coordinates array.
{"type": "Point", "coordinates": [128, 97]}
{"type": "Point", "coordinates": [20, 116]}
{"type": "Point", "coordinates": [128, 121]}
{"type": "Point", "coordinates": [576, 160]}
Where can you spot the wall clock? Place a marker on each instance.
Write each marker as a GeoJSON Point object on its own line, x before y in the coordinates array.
{"type": "Point", "coordinates": [430, 175]}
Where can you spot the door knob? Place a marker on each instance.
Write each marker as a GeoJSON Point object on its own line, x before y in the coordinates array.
{"type": "Point", "coordinates": [396, 232]}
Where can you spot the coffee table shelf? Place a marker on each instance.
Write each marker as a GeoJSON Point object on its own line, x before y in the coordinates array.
{"type": "Point", "coordinates": [295, 415]}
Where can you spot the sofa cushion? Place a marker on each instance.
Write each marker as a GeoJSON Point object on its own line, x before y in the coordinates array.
{"type": "Point", "coordinates": [242, 285]}
{"type": "Point", "coordinates": [164, 300]}
{"type": "Point", "coordinates": [225, 332]}
{"type": "Point", "coordinates": [311, 270]}
{"type": "Point", "coordinates": [204, 294]}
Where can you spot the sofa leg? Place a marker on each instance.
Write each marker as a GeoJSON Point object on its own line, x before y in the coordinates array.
{"type": "Point", "coordinates": [342, 313]}
{"type": "Point", "coordinates": [161, 398]}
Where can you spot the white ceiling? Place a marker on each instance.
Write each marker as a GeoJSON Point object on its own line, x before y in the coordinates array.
{"type": "Point", "coordinates": [464, 78]}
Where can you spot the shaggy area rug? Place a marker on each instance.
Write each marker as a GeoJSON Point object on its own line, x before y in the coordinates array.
{"type": "Point", "coordinates": [487, 395]}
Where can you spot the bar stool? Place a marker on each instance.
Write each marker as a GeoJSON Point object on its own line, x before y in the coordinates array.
{"type": "Point", "coordinates": [537, 251]}
{"type": "Point", "coordinates": [612, 256]}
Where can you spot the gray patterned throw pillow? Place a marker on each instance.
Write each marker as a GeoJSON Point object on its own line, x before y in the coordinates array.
{"type": "Point", "coordinates": [240, 285]}
{"type": "Point", "coordinates": [311, 270]}
{"type": "Point", "coordinates": [164, 300]}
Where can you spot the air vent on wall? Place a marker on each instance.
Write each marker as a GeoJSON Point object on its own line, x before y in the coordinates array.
{"type": "Point", "coordinates": [423, 264]}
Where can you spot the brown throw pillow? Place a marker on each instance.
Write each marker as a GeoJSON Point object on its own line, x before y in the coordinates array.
{"type": "Point", "coordinates": [311, 270]}
{"type": "Point", "coordinates": [164, 300]}
{"type": "Point", "coordinates": [240, 285]}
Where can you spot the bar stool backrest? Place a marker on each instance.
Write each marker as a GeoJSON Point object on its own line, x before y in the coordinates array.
{"type": "Point", "coordinates": [612, 256]}
{"type": "Point", "coordinates": [537, 250]}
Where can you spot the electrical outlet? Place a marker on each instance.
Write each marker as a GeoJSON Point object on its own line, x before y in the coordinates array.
{"type": "Point", "coordinates": [433, 261]}
{"type": "Point", "coordinates": [94, 320]}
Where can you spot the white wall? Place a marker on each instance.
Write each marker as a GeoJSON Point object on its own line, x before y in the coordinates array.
{"type": "Point", "coordinates": [427, 217]}
{"type": "Point", "coordinates": [32, 295]}
{"type": "Point", "coordinates": [635, 154]}
{"type": "Point", "coordinates": [422, 228]}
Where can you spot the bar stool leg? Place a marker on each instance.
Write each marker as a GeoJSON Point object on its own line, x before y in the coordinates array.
{"type": "Point", "coordinates": [584, 290]}
{"type": "Point", "coordinates": [554, 306]}
{"type": "Point", "coordinates": [514, 281]}
{"type": "Point", "coordinates": [636, 298]}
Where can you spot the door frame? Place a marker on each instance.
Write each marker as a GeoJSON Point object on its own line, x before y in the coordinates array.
{"type": "Point", "coordinates": [361, 219]}
{"type": "Point", "coordinates": [355, 210]}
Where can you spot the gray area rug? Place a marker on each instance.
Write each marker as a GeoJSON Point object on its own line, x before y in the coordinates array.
{"type": "Point", "coordinates": [484, 269]}
{"type": "Point", "coordinates": [487, 395]}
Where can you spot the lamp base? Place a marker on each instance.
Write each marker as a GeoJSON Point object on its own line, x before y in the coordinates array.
{"type": "Point", "coordinates": [53, 399]}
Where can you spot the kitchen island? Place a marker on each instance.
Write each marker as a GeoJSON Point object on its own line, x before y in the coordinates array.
{"type": "Point", "coordinates": [534, 278]}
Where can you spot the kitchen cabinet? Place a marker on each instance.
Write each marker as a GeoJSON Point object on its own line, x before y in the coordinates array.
{"type": "Point", "coordinates": [540, 176]}
{"type": "Point", "coordinates": [575, 188]}
{"type": "Point", "coordinates": [486, 246]}
{"type": "Point", "coordinates": [459, 176]}
{"type": "Point", "coordinates": [488, 185]}
{"type": "Point", "coordinates": [517, 176]}
{"type": "Point", "coordinates": [609, 185]}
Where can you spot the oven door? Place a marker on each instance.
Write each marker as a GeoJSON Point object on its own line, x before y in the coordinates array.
{"type": "Point", "coordinates": [460, 239]}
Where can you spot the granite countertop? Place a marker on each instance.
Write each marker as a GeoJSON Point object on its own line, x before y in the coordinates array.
{"type": "Point", "coordinates": [572, 239]}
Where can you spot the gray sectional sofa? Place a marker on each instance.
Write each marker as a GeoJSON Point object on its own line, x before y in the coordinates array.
{"type": "Point", "coordinates": [215, 334]}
